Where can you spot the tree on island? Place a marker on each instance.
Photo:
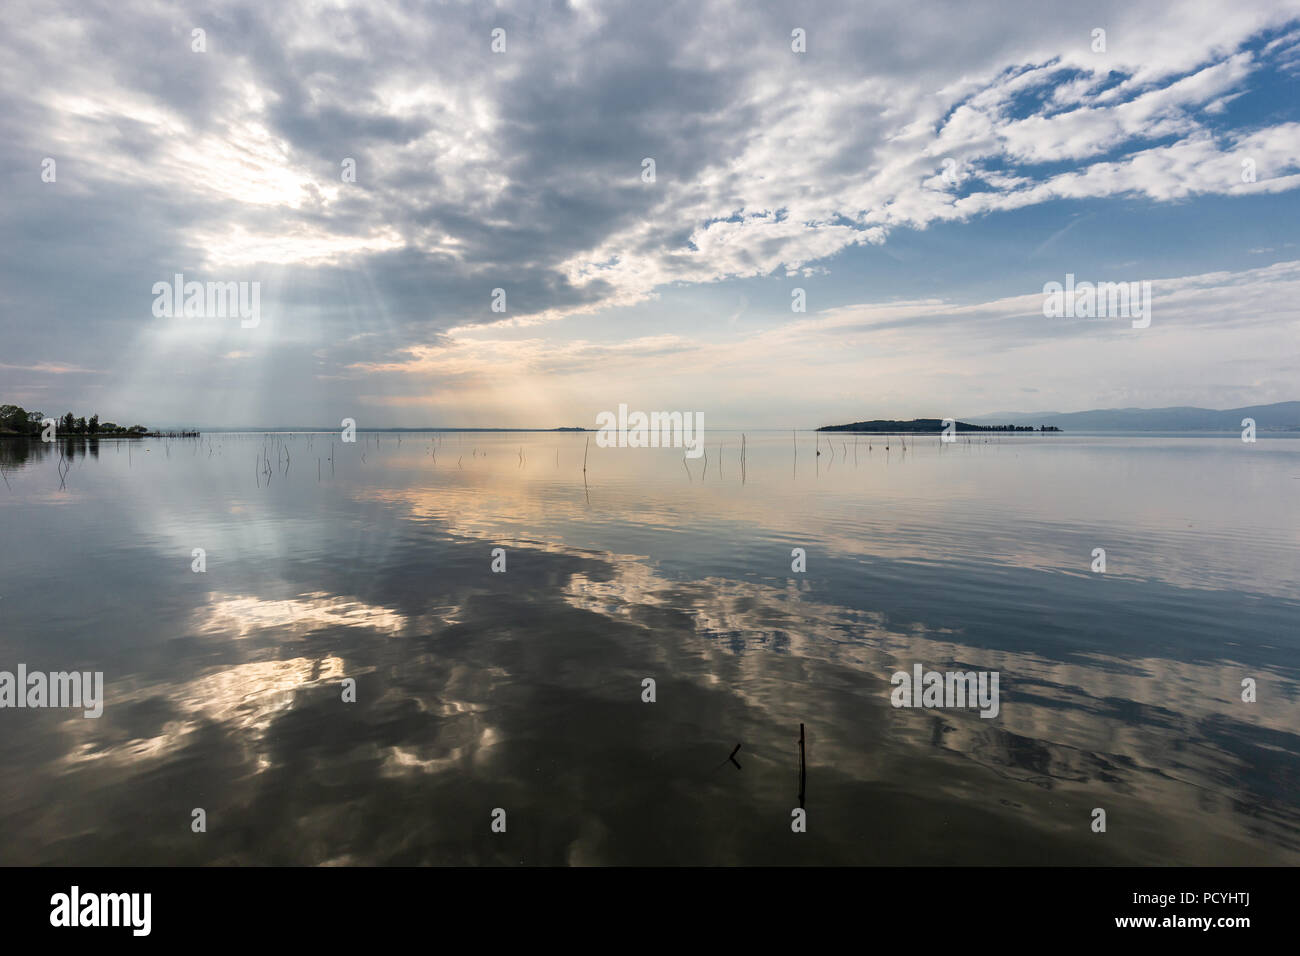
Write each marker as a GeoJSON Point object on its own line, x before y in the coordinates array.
{"type": "Point", "coordinates": [17, 421]}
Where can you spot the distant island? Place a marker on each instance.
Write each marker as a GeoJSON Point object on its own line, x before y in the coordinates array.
{"type": "Point", "coordinates": [928, 426]}
{"type": "Point", "coordinates": [17, 422]}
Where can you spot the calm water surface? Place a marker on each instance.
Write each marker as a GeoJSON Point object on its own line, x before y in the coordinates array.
{"type": "Point", "coordinates": [522, 690]}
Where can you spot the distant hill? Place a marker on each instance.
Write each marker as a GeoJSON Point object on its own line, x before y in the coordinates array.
{"type": "Point", "coordinates": [1280, 416]}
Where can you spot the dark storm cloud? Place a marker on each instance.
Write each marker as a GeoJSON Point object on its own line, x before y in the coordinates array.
{"type": "Point", "coordinates": [561, 147]}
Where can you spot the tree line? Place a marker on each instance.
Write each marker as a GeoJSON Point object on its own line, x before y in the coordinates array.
{"type": "Point", "coordinates": [16, 420]}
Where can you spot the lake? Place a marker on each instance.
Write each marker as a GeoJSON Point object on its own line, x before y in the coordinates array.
{"type": "Point", "coordinates": [516, 698]}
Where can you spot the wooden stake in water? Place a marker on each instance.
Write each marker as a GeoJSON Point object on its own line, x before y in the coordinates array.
{"type": "Point", "coordinates": [803, 769]}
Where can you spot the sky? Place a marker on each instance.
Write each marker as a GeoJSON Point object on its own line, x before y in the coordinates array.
{"type": "Point", "coordinates": [375, 170]}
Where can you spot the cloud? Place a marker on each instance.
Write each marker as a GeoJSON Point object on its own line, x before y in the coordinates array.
{"type": "Point", "coordinates": [522, 170]}
{"type": "Point", "coordinates": [950, 357]}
